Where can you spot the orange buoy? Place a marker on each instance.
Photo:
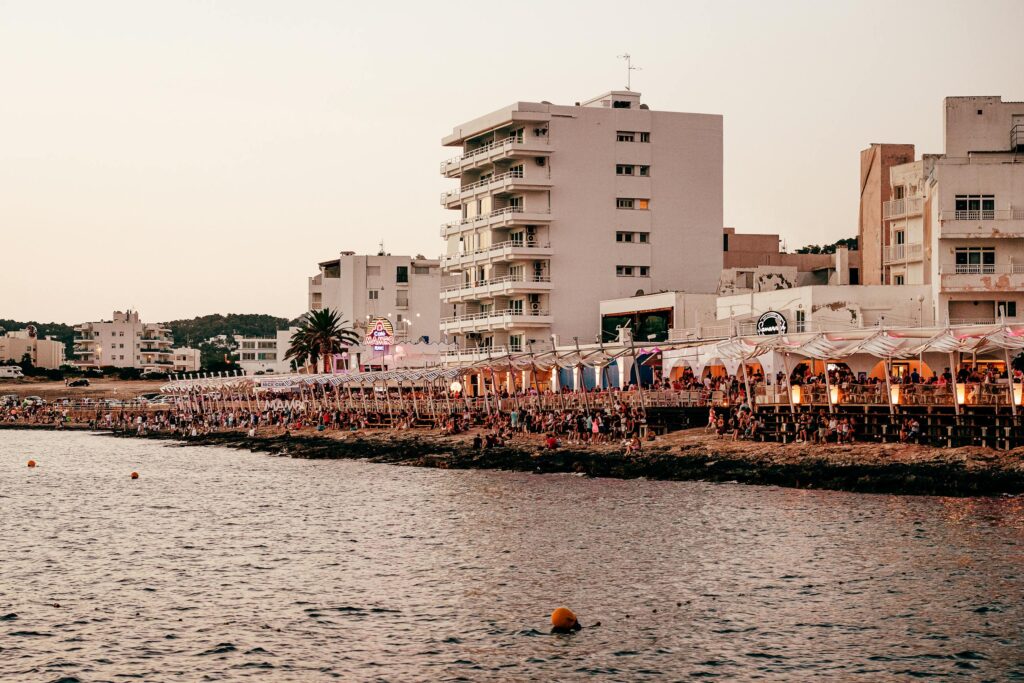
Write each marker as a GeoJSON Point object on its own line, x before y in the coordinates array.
{"type": "Point", "coordinates": [563, 619]}
{"type": "Point", "coordinates": [135, 475]}
{"type": "Point", "coordinates": [31, 463]}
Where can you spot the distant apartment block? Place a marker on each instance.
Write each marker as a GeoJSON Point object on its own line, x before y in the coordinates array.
{"type": "Point", "coordinates": [561, 207]}
{"type": "Point", "coordinates": [955, 221]}
{"type": "Point", "coordinates": [361, 288]}
{"type": "Point", "coordinates": [186, 359]}
{"type": "Point", "coordinates": [264, 355]}
{"type": "Point", "coordinates": [45, 353]}
{"type": "Point", "coordinates": [124, 341]}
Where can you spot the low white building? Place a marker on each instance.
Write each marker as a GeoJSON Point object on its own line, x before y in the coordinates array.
{"type": "Point", "coordinates": [656, 317]}
{"type": "Point", "coordinates": [826, 308]}
{"type": "Point", "coordinates": [124, 341]}
{"type": "Point", "coordinates": [264, 354]}
{"type": "Point", "coordinates": [186, 359]}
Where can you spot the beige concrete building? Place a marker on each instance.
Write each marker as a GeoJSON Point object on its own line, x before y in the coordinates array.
{"type": "Point", "coordinates": [124, 341]}
{"type": "Point", "coordinates": [755, 262]}
{"type": "Point", "coordinates": [875, 190]}
{"type": "Point", "coordinates": [560, 207]}
{"type": "Point", "coordinates": [360, 288]}
{"type": "Point", "coordinates": [955, 221]}
{"type": "Point", "coordinates": [45, 353]}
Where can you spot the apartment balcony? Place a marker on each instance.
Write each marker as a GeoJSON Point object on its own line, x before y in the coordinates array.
{"type": "Point", "coordinates": [502, 286]}
{"type": "Point", "coordinates": [982, 223]}
{"type": "Point", "coordinates": [502, 252]}
{"type": "Point", "coordinates": [903, 253]}
{"type": "Point", "coordinates": [496, 320]}
{"type": "Point", "coordinates": [506, 217]}
{"type": "Point", "coordinates": [512, 181]}
{"type": "Point", "coordinates": [512, 147]}
{"type": "Point", "coordinates": [902, 208]}
{"type": "Point", "coordinates": [975, 277]}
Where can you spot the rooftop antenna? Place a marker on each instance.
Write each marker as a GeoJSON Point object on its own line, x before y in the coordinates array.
{"type": "Point", "coordinates": [629, 69]}
{"type": "Point", "coordinates": [381, 251]}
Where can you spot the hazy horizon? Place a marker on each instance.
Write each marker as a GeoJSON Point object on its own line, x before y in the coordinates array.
{"type": "Point", "coordinates": [196, 158]}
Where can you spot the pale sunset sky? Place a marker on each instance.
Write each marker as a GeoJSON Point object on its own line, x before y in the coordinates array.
{"type": "Point", "coordinates": [184, 158]}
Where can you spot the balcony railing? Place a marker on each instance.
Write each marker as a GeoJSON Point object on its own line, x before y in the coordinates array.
{"type": "Point", "coordinates": [911, 251]}
{"type": "Point", "coordinates": [493, 250]}
{"type": "Point", "coordinates": [504, 212]}
{"type": "Point", "coordinates": [500, 178]}
{"type": "Point", "coordinates": [981, 269]}
{"type": "Point", "coordinates": [497, 144]}
{"type": "Point", "coordinates": [897, 208]}
{"type": "Point", "coordinates": [498, 281]}
{"type": "Point", "coordinates": [504, 313]}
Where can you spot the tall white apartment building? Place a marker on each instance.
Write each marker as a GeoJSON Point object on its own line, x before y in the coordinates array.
{"type": "Point", "coordinates": [561, 207]}
{"type": "Point", "coordinates": [124, 341]}
{"type": "Point", "coordinates": [956, 220]}
{"type": "Point", "coordinates": [361, 288]}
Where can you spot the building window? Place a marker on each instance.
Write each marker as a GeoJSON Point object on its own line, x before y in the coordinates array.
{"type": "Point", "coordinates": [645, 271]}
{"type": "Point", "coordinates": [645, 171]}
{"type": "Point", "coordinates": [625, 136]}
{"type": "Point", "coordinates": [624, 271]}
{"type": "Point", "coordinates": [621, 203]}
{"type": "Point", "coordinates": [1006, 309]}
{"type": "Point", "coordinates": [516, 171]}
{"type": "Point", "coordinates": [623, 236]}
{"type": "Point", "coordinates": [975, 260]}
{"type": "Point", "coordinates": [421, 270]}
{"type": "Point", "coordinates": [372, 294]}
{"type": "Point", "coordinates": [402, 298]}
{"type": "Point", "coordinates": [623, 169]}
{"type": "Point", "coordinates": [402, 274]}
{"type": "Point", "coordinates": [645, 237]}
{"type": "Point", "coordinates": [898, 280]}
{"type": "Point", "coordinates": [975, 207]}
{"type": "Point", "coordinates": [643, 204]}
{"type": "Point", "coordinates": [645, 137]}
{"type": "Point", "coordinates": [515, 342]}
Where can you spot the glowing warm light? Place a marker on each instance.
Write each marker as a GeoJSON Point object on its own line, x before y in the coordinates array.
{"type": "Point", "coordinates": [794, 393]}
{"type": "Point", "coordinates": [834, 394]}
{"type": "Point", "coordinates": [961, 393]}
{"type": "Point", "coordinates": [456, 387]}
{"type": "Point", "coordinates": [894, 394]}
{"type": "Point", "coordinates": [1018, 390]}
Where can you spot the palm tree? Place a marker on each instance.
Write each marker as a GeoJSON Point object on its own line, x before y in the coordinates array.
{"type": "Point", "coordinates": [320, 335]}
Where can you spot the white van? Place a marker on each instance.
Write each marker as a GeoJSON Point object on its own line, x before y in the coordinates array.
{"type": "Point", "coordinates": [10, 372]}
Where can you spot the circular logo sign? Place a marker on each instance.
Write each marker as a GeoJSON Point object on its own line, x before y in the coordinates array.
{"type": "Point", "coordinates": [772, 322]}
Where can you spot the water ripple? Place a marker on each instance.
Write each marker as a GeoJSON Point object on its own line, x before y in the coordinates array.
{"type": "Point", "coordinates": [221, 565]}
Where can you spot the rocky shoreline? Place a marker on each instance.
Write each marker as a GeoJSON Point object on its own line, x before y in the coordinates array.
{"type": "Point", "coordinates": [684, 456]}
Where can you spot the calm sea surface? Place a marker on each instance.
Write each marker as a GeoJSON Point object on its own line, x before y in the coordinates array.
{"type": "Point", "coordinates": [224, 565]}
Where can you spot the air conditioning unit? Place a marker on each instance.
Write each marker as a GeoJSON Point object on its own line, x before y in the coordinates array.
{"type": "Point", "coordinates": [541, 161]}
{"type": "Point", "coordinates": [535, 306]}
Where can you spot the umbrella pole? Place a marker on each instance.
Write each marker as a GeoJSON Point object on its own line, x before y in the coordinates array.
{"type": "Point", "coordinates": [1009, 382]}
{"type": "Point", "coordinates": [828, 389]}
{"type": "Point", "coordinates": [952, 371]}
{"type": "Point", "coordinates": [886, 363]}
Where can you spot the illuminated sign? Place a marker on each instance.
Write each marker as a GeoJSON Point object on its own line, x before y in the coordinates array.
{"type": "Point", "coordinates": [380, 334]}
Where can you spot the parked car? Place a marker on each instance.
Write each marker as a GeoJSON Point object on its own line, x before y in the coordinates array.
{"type": "Point", "coordinates": [82, 382]}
